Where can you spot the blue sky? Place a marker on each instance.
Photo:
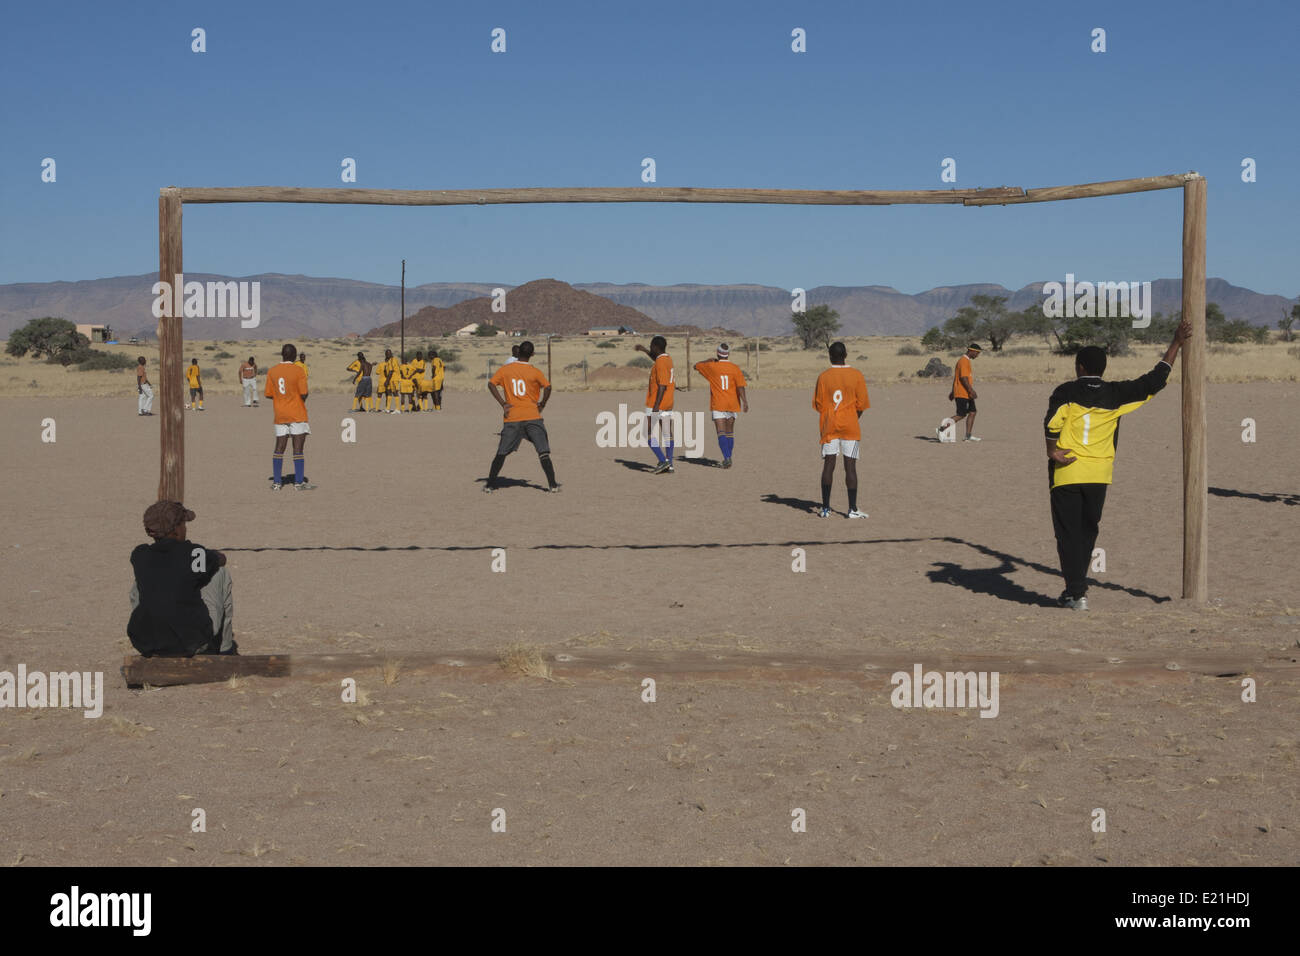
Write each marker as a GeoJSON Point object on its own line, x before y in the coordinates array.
{"type": "Point", "coordinates": [711, 91]}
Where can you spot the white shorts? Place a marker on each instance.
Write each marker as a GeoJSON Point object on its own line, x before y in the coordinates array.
{"type": "Point", "coordinates": [848, 447]}
{"type": "Point", "coordinates": [662, 415]}
{"type": "Point", "coordinates": [718, 415]}
{"type": "Point", "coordinates": [293, 428]}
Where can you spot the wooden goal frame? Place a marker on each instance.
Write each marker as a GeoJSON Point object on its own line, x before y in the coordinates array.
{"type": "Point", "coordinates": [171, 201]}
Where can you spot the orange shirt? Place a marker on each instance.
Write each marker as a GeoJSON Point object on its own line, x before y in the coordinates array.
{"type": "Point", "coordinates": [523, 386]}
{"type": "Point", "coordinates": [286, 386]}
{"type": "Point", "coordinates": [661, 374]}
{"type": "Point", "coordinates": [723, 378]}
{"type": "Point", "coordinates": [963, 368]}
{"type": "Point", "coordinates": [840, 394]}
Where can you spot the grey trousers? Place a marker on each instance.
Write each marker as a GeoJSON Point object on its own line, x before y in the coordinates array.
{"type": "Point", "coordinates": [219, 598]}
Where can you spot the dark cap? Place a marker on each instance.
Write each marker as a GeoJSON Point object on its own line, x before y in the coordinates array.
{"type": "Point", "coordinates": [974, 347]}
{"type": "Point", "coordinates": [162, 517]}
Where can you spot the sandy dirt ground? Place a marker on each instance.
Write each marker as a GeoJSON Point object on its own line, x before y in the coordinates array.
{"type": "Point", "coordinates": [1122, 709]}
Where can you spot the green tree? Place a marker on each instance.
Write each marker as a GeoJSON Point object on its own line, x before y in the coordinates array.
{"type": "Point", "coordinates": [985, 318]}
{"type": "Point", "coordinates": [1111, 332]}
{"type": "Point", "coordinates": [934, 340]}
{"type": "Point", "coordinates": [1033, 321]}
{"type": "Point", "coordinates": [816, 326]}
{"type": "Point", "coordinates": [486, 329]}
{"type": "Point", "coordinates": [1287, 321]}
{"type": "Point", "coordinates": [1159, 332]}
{"type": "Point", "coordinates": [47, 336]}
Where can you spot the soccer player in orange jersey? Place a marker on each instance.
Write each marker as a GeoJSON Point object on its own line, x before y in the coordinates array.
{"type": "Point", "coordinates": [659, 402]}
{"type": "Point", "coordinates": [963, 390]}
{"type": "Point", "coordinates": [286, 386]}
{"type": "Point", "coordinates": [726, 397]}
{"type": "Point", "coordinates": [526, 393]}
{"type": "Point", "coordinates": [840, 398]}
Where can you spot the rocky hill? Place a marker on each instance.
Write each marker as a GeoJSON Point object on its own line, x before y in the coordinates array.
{"type": "Point", "coordinates": [536, 308]}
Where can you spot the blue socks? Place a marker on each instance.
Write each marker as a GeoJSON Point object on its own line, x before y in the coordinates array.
{"type": "Point", "coordinates": [277, 467]}
{"type": "Point", "coordinates": [670, 453]}
{"type": "Point", "coordinates": [298, 466]}
{"type": "Point", "coordinates": [726, 443]}
{"type": "Point", "coordinates": [654, 447]}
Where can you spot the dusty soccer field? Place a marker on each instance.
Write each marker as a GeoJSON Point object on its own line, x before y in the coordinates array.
{"type": "Point", "coordinates": [773, 689]}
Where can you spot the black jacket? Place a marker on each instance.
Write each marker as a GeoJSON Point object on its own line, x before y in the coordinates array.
{"type": "Point", "coordinates": [171, 619]}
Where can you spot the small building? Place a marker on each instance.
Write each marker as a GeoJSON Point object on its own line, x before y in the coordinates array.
{"type": "Point", "coordinates": [609, 330]}
{"type": "Point", "coordinates": [96, 333]}
{"type": "Point", "coordinates": [468, 330]}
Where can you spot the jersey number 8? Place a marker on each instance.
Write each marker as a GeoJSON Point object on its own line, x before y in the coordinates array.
{"type": "Point", "coordinates": [281, 385]}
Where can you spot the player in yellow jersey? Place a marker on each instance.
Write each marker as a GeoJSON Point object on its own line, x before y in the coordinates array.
{"type": "Point", "coordinates": [417, 375]}
{"type": "Point", "coordinates": [389, 373]}
{"type": "Point", "coordinates": [361, 395]}
{"type": "Point", "coordinates": [406, 386]}
{"type": "Point", "coordinates": [839, 399]}
{"type": "Point", "coordinates": [194, 377]}
{"type": "Point", "coordinates": [424, 381]}
{"type": "Point", "coordinates": [439, 374]}
{"type": "Point", "coordinates": [1082, 431]}
{"type": "Point", "coordinates": [380, 375]}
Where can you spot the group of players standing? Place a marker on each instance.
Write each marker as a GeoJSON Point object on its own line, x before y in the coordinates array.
{"type": "Point", "coordinates": [414, 386]}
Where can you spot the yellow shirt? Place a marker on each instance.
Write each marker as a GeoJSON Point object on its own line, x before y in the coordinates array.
{"type": "Point", "coordinates": [192, 375]}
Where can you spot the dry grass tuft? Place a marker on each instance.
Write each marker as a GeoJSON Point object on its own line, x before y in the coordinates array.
{"type": "Point", "coordinates": [525, 660]}
{"type": "Point", "coordinates": [128, 728]}
{"type": "Point", "coordinates": [391, 670]}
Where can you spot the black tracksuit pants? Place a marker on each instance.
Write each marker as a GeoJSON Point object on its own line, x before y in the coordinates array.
{"type": "Point", "coordinates": [1076, 515]}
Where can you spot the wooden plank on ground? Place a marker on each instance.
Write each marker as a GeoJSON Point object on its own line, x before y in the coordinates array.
{"type": "Point", "coordinates": [201, 669]}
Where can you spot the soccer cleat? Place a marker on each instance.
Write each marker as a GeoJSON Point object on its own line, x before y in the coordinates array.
{"type": "Point", "coordinates": [855, 513]}
{"type": "Point", "coordinates": [660, 468]}
{"type": "Point", "coordinates": [303, 486]}
{"type": "Point", "coordinates": [972, 438]}
{"type": "Point", "coordinates": [671, 469]}
{"type": "Point", "coordinates": [488, 489]}
{"type": "Point", "coordinates": [1073, 603]}
{"type": "Point", "coordinates": [276, 485]}
{"type": "Point", "coordinates": [824, 513]}
{"type": "Point", "coordinates": [726, 463]}
{"type": "Point", "coordinates": [553, 489]}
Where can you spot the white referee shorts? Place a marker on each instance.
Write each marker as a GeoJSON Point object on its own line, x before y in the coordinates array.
{"type": "Point", "coordinates": [848, 447]}
{"type": "Point", "coordinates": [293, 428]}
{"type": "Point", "coordinates": [718, 415]}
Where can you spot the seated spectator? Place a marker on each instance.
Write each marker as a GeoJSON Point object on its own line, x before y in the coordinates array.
{"type": "Point", "coordinates": [181, 602]}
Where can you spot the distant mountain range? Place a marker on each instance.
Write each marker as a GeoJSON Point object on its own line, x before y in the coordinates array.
{"type": "Point", "coordinates": [296, 306]}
